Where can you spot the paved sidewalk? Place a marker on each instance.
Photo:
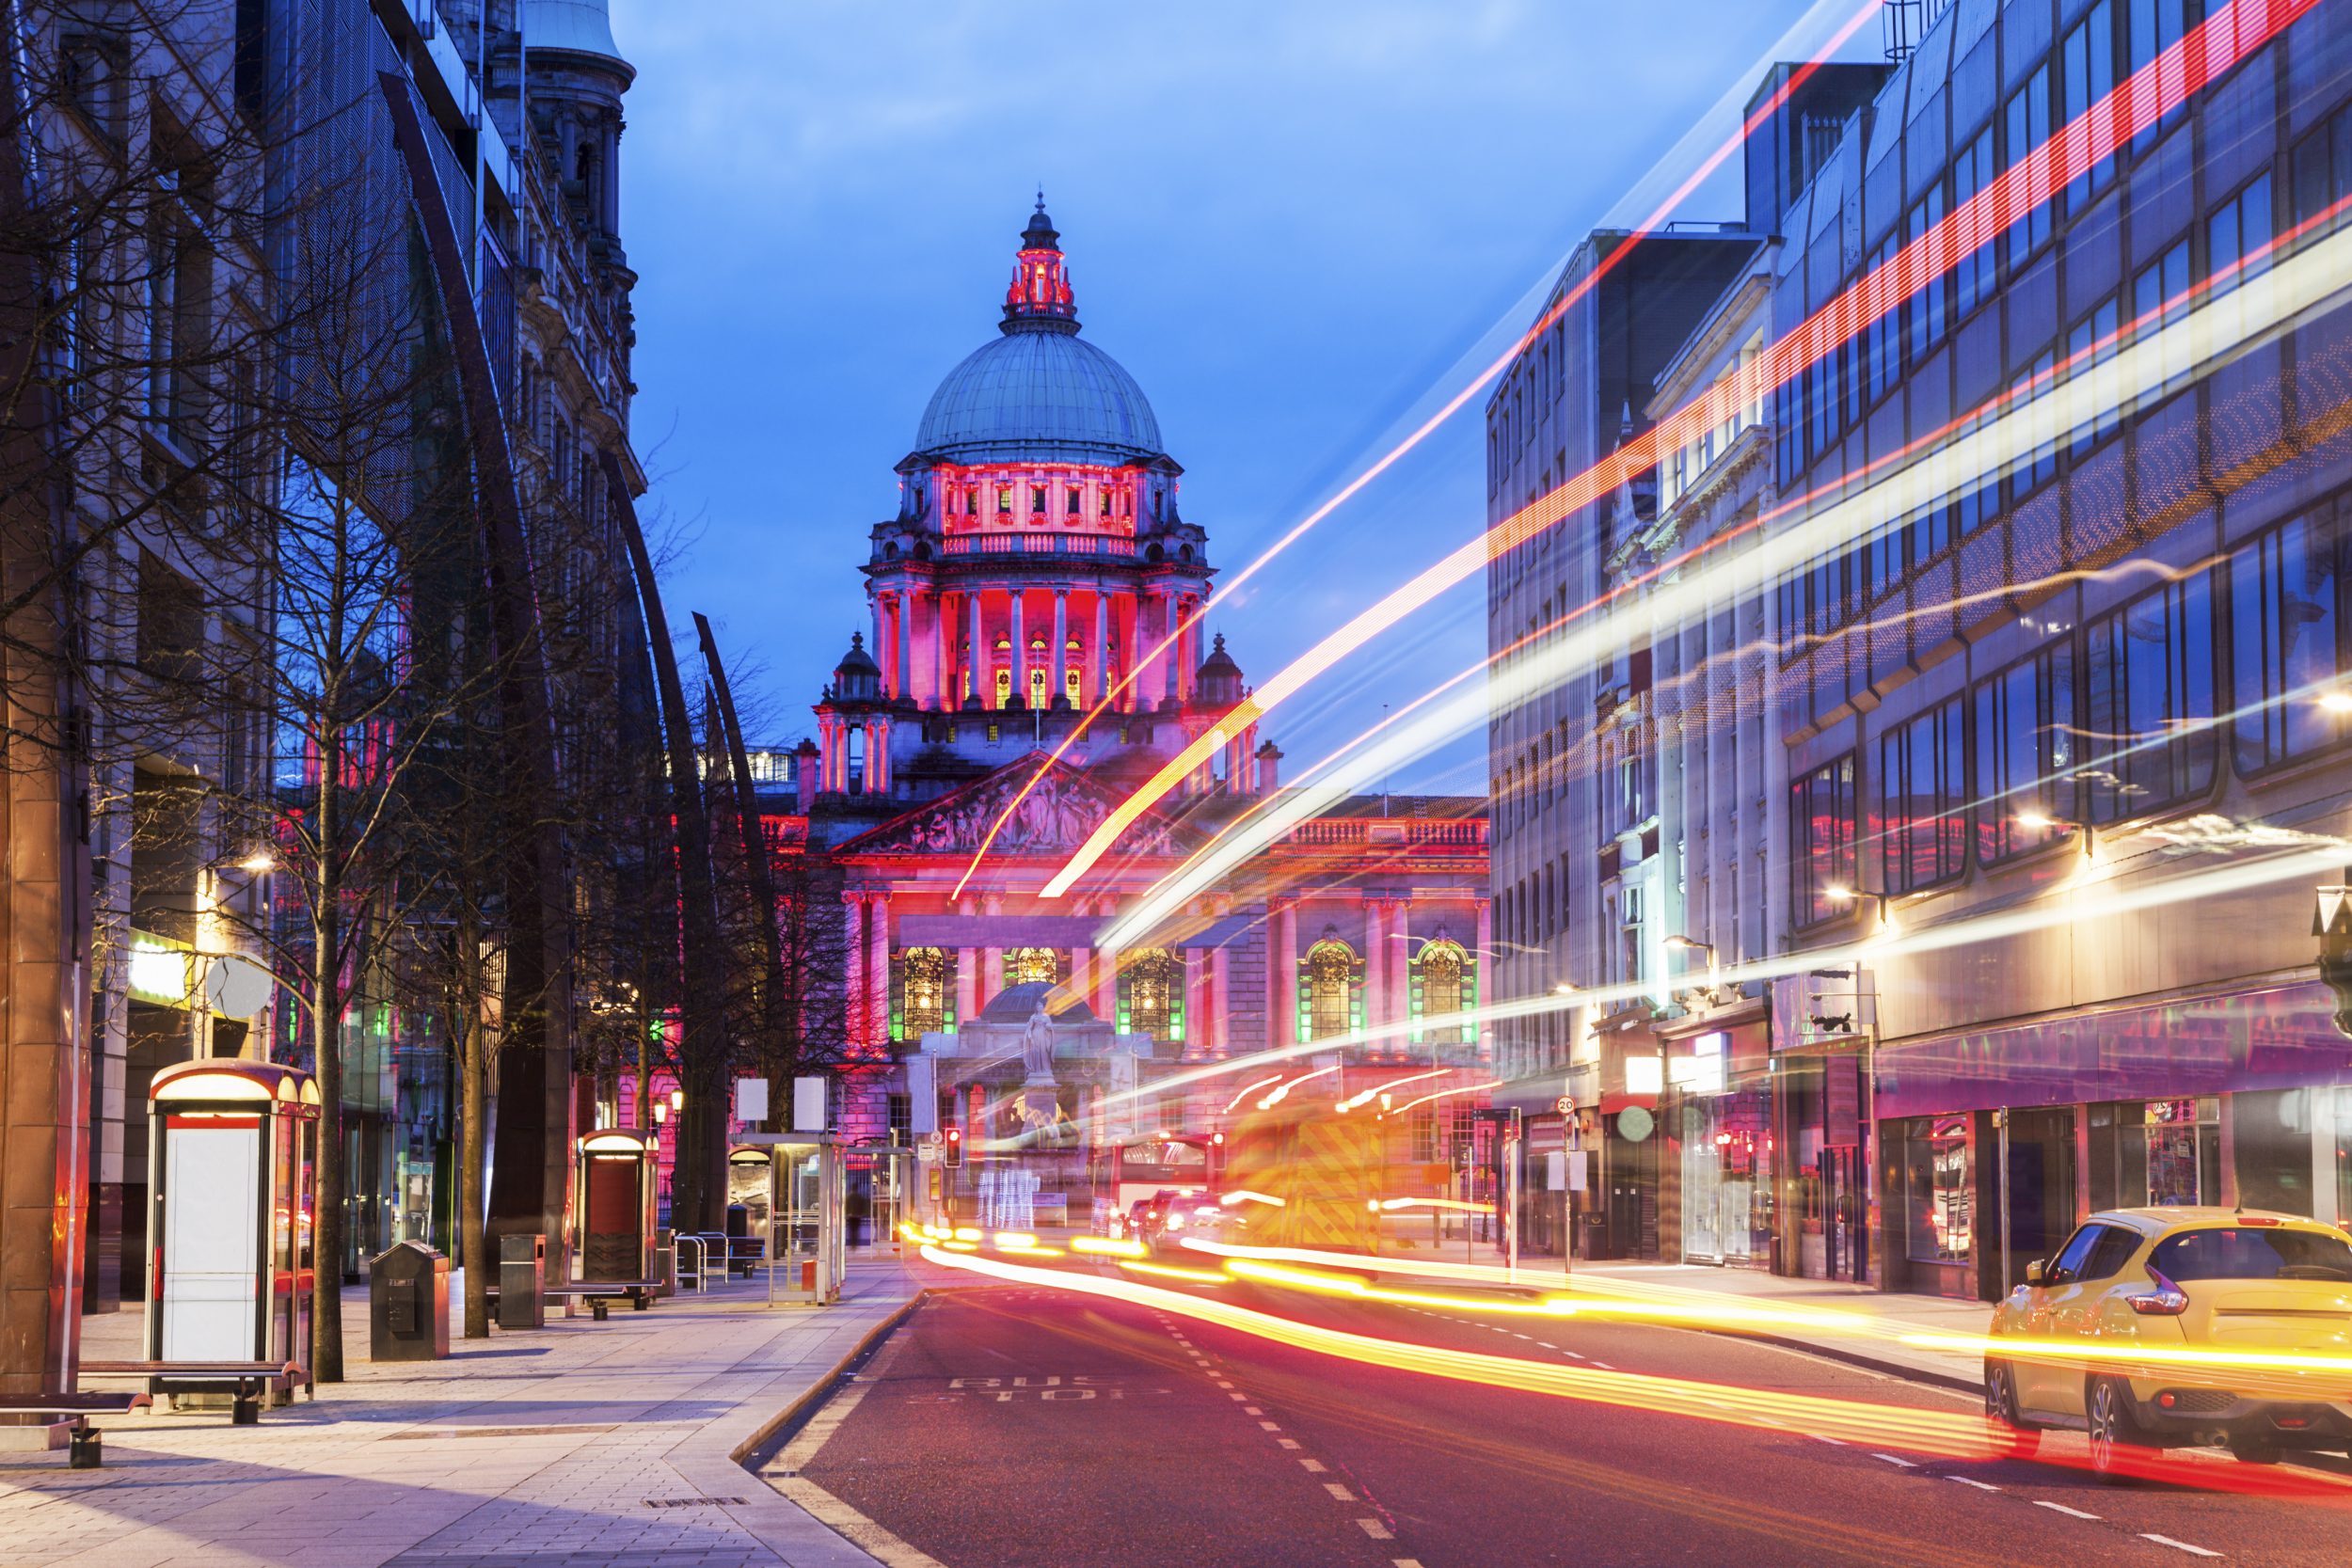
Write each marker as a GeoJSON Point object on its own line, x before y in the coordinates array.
{"type": "Point", "coordinates": [615, 1444]}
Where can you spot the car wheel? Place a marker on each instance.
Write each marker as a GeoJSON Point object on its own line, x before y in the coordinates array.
{"type": "Point", "coordinates": [2114, 1429]}
{"type": "Point", "coordinates": [2010, 1437]}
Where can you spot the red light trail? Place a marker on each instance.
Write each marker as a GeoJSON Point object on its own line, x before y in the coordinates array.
{"type": "Point", "coordinates": [1665, 210]}
{"type": "Point", "coordinates": [2215, 47]}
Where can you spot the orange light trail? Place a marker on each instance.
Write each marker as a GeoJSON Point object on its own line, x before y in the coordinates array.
{"type": "Point", "coordinates": [1665, 210]}
{"type": "Point", "coordinates": [1277, 1097]}
{"type": "Point", "coordinates": [1252, 1089]}
{"type": "Point", "coordinates": [1943, 1432]}
{"type": "Point", "coordinates": [2213, 48]}
{"type": "Point", "coordinates": [1241, 838]}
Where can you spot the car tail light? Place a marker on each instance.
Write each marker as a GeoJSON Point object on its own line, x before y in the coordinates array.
{"type": "Point", "coordinates": [2166, 1300]}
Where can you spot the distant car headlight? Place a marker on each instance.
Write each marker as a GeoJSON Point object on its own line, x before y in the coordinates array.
{"type": "Point", "coordinates": [1175, 1222]}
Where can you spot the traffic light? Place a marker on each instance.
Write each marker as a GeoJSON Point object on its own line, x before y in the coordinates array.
{"type": "Point", "coordinates": [955, 1146]}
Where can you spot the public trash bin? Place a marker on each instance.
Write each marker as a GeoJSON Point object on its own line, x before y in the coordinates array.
{"type": "Point", "coordinates": [523, 1276]}
{"type": "Point", "coordinates": [738, 1235]}
{"type": "Point", "coordinates": [665, 1262]}
{"type": "Point", "coordinates": [409, 1304]}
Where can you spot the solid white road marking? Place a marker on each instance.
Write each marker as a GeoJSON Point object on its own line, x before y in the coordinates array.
{"type": "Point", "coordinates": [2178, 1545]}
{"type": "Point", "coordinates": [1970, 1481]}
{"type": "Point", "coordinates": [1374, 1528]}
{"type": "Point", "coordinates": [2061, 1508]}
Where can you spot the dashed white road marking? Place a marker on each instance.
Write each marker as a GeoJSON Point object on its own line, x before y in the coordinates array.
{"type": "Point", "coordinates": [1833, 1442]}
{"type": "Point", "coordinates": [1604, 1366]}
{"type": "Point", "coordinates": [1374, 1528]}
{"type": "Point", "coordinates": [1404, 1562]}
{"type": "Point", "coordinates": [1251, 1410]}
{"type": "Point", "coordinates": [1269, 1426]}
{"type": "Point", "coordinates": [1340, 1492]}
{"type": "Point", "coordinates": [1286, 1442]}
{"type": "Point", "coordinates": [1896, 1459]}
{"type": "Point", "coordinates": [1237, 1396]}
{"type": "Point", "coordinates": [1545, 1345]}
{"type": "Point", "coordinates": [2177, 1545]}
{"type": "Point", "coordinates": [2061, 1508]}
{"type": "Point", "coordinates": [1971, 1481]}
{"type": "Point", "coordinates": [1314, 1466]}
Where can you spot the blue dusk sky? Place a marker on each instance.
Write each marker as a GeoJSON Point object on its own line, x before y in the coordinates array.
{"type": "Point", "coordinates": [1293, 221]}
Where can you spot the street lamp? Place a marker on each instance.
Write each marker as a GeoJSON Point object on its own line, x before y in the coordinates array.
{"type": "Point", "coordinates": [1845, 893]}
{"type": "Point", "coordinates": [2042, 822]}
{"type": "Point", "coordinates": [1693, 945]}
{"type": "Point", "coordinates": [2336, 702]}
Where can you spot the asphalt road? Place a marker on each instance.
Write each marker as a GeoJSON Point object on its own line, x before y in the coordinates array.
{"type": "Point", "coordinates": [1011, 1425]}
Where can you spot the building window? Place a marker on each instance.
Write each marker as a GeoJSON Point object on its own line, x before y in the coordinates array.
{"type": "Point", "coordinates": [901, 1119]}
{"type": "Point", "coordinates": [1923, 800]}
{"type": "Point", "coordinates": [1029, 966]}
{"type": "Point", "coordinates": [2151, 28]}
{"type": "Point", "coordinates": [1939, 1196]}
{"type": "Point", "coordinates": [1073, 504]}
{"type": "Point", "coordinates": [2089, 59]}
{"type": "Point", "coordinates": [926, 993]}
{"type": "Point", "coordinates": [1037, 503]}
{"type": "Point", "coordinates": [2237, 233]}
{"type": "Point", "coordinates": [2148, 681]}
{"type": "Point", "coordinates": [2090, 348]}
{"type": "Point", "coordinates": [2024, 734]}
{"type": "Point", "coordinates": [1327, 999]}
{"type": "Point", "coordinates": [1822, 823]}
{"type": "Point", "coordinates": [1444, 983]}
{"type": "Point", "coordinates": [2286, 640]}
{"type": "Point", "coordinates": [1972, 278]}
{"type": "Point", "coordinates": [1152, 995]}
{"type": "Point", "coordinates": [2027, 126]}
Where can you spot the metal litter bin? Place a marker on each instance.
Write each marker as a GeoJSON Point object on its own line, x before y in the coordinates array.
{"type": "Point", "coordinates": [523, 1276]}
{"type": "Point", "coordinates": [409, 1304]}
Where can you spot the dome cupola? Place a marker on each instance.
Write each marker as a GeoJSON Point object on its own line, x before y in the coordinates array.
{"type": "Point", "coordinates": [1039, 393]}
{"type": "Point", "coordinates": [1219, 681]}
{"type": "Point", "coordinates": [857, 678]}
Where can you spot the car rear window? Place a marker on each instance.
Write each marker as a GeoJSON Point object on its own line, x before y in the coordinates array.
{"type": "Point", "coordinates": [2247, 1252]}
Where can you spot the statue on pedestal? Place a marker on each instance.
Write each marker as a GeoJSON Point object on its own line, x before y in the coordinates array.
{"type": "Point", "coordinates": [1037, 1046]}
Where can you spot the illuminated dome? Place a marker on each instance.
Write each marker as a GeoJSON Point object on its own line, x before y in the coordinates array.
{"type": "Point", "coordinates": [1039, 392]}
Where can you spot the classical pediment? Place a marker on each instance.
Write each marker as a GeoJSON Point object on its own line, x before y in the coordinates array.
{"type": "Point", "coordinates": [1053, 818]}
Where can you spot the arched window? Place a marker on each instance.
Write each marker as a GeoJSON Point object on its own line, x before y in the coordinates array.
{"type": "Point", "coordinates": [1328, 988]}
{"type": "Point", "coordinates": [1026, 966]}
{"type": "Point", "coordinates": [1443, 984]}
{"type": "Point", "coordinates": [1152, 995]}
{"type": "Point", "coordinates": [1040, 679]}
{"type": "Point", "coordinates": [925, 992]}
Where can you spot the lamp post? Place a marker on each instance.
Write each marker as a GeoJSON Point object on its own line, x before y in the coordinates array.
{"type": "Point", "coordinates": [1845, 893]}
{"type": "Point", "coordinates": [1693, 945]}
{"type": "Point", "coordinates": [2332, 923]}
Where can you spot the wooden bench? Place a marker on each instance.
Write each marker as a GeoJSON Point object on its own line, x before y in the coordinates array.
{"type": "Point", "coordinates": [598, 1294]}
{"type": "Point", "coordinates": [247, 1376]}
{"type": "Point", "coordinates": [84, 1445]}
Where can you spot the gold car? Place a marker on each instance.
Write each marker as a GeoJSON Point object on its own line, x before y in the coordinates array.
{"type": "Point", "coordinates": [2225, 1278]}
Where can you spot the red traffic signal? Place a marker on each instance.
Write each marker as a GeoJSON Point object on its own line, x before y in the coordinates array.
{"type": "Point", "coordinates": [955, 1146]}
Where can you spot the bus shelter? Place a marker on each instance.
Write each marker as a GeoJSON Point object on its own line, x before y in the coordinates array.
{"type": "Point", "coordinates": [807, 1212]}
{"type": "Point", "coordinates": [616, 1172]}
{"type": "Point", "coordinates": [230, 1218]}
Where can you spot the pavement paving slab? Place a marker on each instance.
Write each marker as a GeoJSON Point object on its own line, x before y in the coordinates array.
{"type": "Point", "coordinates": [612, 1444]}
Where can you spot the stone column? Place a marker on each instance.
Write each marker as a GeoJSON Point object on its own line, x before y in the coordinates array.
{"type": "Point", "coordinates": [1282, 978]}
{"type": "Point", "coordinates": [967, 986]}
{"type": "Point", "coordinates": [1220, 1037]}
{"type": "Point", "coordinates": [901, 677]}
{"type": "Point", "coordinates": [975, 655]}
{"type": "Point", "coordinates": [1061, 644]}
{"type": "Point", "coordinates": [1174, 651]}
{"type": "Point", "coordinates": [1099, 657]}
{"type": "Point", "coordinates": [853, 965]}
{"type": "Point", "coordinates": [1020, 650]}
{"type": "Point", "coordinates": [992, 957]}
{"type": "Point", "coordinates": [1377, 964]}
{"type": "Point", "coordinates": [878, 969]}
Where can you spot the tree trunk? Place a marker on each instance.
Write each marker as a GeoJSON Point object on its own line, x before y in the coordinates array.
{"type": "Point", "coordinates": [473, 1233]}
{"type": "Point", "coordinates": [326, 1012]}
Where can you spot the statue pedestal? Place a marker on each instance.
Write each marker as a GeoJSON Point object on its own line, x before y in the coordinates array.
{"type": "Point", "coordinates": [1038, 1105]}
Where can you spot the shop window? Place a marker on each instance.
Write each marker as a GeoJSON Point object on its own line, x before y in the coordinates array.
{"type": "Point", "coordinates": [2024, 738]}
{"type": "Point", "coordinates": [1029, 966]}
{"type": "Point", "coordinates": [2184, 1151]}
{"type": "Point", "coordinates": [1923, 800]}
{"type": "Point", "coordinates": [1152, 995]}
{"type": "Point", "coordinates": [2286, 642]}
{"type": "Point", "coordinates": [1821, 825]}
{"type": "Point", "coordinates": [2148, 680]}
{"type": "Point", "coordinates": [1328, 1002]}
{"type": "Point", "coordinates": [1939, 1190]}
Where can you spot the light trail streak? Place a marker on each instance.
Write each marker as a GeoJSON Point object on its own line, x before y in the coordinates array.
{"type": "Point", "coordinates": [2204, 337]}
{"type": "Point", "coordinates": [1441, 1094]}
{"type": "Point", "coordinates": [1452, 1204]}
{"type": "Point", "coordinates": [1170, 1271]}
{"type": "Point", "coordinates": [1242, 1194]}
{"type": "Point", "coordinates": [1663, 213]}
{"type": "Point", "coordinates": [1252, 1089]}
{"type": "Point", "coordinates": [1277, 1097]}
{"type": "Point", "coordinates": [2212, 49]}
{"type": "Point", "coordinates": [1107, 1246]}
{"type": "Point", "coordinates": [1375, 1092]}
{"type": "Point", "coordinates": [1943, 1433]}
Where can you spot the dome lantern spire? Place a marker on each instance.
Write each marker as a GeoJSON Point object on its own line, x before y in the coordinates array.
{"type": "Point", "coordinates": [1038, 299]}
